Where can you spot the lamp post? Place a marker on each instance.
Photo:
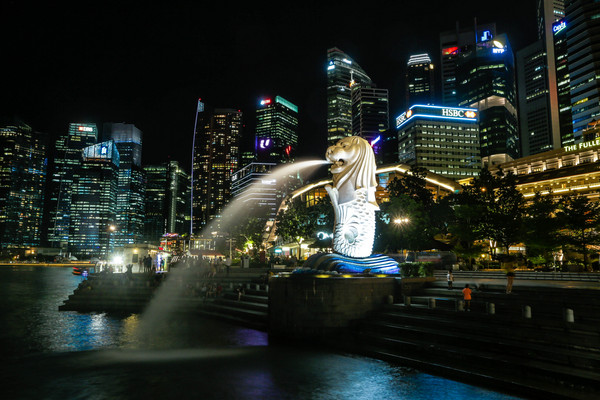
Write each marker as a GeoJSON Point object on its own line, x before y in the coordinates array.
{"type": "Point", "coordinates": [111, 229]}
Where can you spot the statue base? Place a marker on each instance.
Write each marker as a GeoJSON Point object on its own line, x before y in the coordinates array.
{"type": "Point", "coordinates": [375, 264]}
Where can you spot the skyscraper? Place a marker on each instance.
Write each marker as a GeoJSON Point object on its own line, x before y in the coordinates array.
{"type": "Point", "coordinates": [216, 152]}
{"type": "Point", "coordinates": [370, 115]}
{"type": "Point", "coordinates": [452, 44]}
{"type": "Point", "coordinates": [94, 201]}
{"type": "Point", "coordinates": [537, 82]}
{"type": "Point", "coordinates": [583, 36]}
{"type": "Point", "coordinates": [485, 78]}
{"type": "Point", "coordinates": [420, 80]}
{"type": "Point", "coordinates": [276, 130]}
{"type": "Point", "coordinates": [67, 160]}
{"type": "Point", "coordinates": [167, 206]}
{"type": "Point", "coordinates": [22, 179]}
{"type": "Point", "coordinates": [342, 73]}
{"type": "Point", "coordinates": [130, 192]}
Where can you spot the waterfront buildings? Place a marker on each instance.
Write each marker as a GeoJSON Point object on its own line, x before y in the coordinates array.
{"type": "Point", "coordinates": [216, 152]}
{"type": "Point", "coordinates": [167, 205]}
{"type": "Point", "coordinates": [23, 172]}
{"type": "Point", "coordinates": [583, 35]}
{"type": "Point", "coordinates": [370, 115]}
{"type": "Point", "coordinates": [276, 130]}
{"type": "Point", "coordinates": [572, 169]}
{"type": "Point", "coordinates": [420, 80]}
{"type": "Point", "coordinates": [537, 72]}
{"type": "Point", "coordinates": [444, 140]}
{"type": "Point", "coordinates": [67, 160]}
{"type": "Point", "coordinates": [131, 186]}
{"type": "Point", "coordinates": [93, 212]}
{"type": "Point", "coordinates": [486, 81]}
{"type": "Point", "coordinates": [256, 192]}
{"type": "Point", "coordinates": [342, 73]}
{"type": "Point", "coordinates": [452, 44]}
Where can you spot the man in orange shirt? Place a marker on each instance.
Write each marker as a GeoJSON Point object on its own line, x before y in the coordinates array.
{"type": "Point", "coordinates": [467, 297]}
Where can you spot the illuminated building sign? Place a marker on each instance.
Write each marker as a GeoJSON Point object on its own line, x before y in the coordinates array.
{"type": "Point", "coordinates": [265, 102]}
{"type": "Point", "coordinates": [437, 112]}
{"type": "Point", "coordinates": [559, 26]}
{"type": "Point", "coordinates": [496, 50]}
{"type": "Point", "coordinates": [264, 143]}
{"type": "Point", "coordinates": [487, 35]}
{"type": "Point", "coordinates": [583, 146]}
{"type": "Point", "coordinates": [85, 129]}
{"type": "Point", "coordinates": [449, 51]}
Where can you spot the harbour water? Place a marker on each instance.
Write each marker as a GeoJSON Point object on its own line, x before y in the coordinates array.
{"type": "Point", "coordinates": [51, 354]}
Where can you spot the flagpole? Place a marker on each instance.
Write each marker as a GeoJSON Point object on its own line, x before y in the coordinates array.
{"type": "Point", "coordinates": [198, 108]}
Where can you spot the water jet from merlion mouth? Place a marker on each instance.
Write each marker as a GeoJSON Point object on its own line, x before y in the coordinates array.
{"type": "Point", "coordinates": [170, 294]}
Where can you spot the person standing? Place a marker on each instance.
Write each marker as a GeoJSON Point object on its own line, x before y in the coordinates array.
{"type": "Point", "coordinates": [467, 297]}
{"type": "Point", "coordinates": [450, 279]}
{"type": "Point", "coordinates": [510, 277]}
{"type": "Point", "coordinates": [228, 264]}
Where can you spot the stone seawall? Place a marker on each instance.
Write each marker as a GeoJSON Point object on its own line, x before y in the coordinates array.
{"type": "Point", "coordinates": [309, 307]}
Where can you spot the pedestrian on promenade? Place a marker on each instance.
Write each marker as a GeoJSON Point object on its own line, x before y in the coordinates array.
{"type": "Point", "coordinates": [228, 264]}
{"type": "Point", "coordinates": [450, 278]}
{"type": "Point", "coordinates": [510, 277]}
{"type": "Point", "coordinates": [467, 297]}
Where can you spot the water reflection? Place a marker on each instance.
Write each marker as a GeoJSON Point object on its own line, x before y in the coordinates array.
{"type": "Point", "coordinates": [101, 355]}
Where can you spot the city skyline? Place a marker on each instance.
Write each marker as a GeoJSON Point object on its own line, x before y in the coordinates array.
{"type": "Point", "coordinates": [148, 67]}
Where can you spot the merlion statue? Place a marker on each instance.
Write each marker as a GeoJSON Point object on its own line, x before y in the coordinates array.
{"type": "Point", "coordinates": [353, 196]}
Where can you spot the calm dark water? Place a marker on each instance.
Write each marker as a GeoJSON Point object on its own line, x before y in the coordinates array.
{"type": "Point", "coordinates": [47, 354]}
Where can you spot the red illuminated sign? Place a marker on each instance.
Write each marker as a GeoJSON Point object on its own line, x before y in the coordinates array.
{"type": "Point", "coordinates": [449, 51]}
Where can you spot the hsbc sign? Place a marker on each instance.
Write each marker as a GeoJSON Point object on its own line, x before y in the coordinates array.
{"type": "Point", "coordinates": [437, 112]}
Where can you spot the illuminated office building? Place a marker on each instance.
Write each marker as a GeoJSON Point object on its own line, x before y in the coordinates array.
{"type": "Point", "coordinates": [370, 116]}
{"type": "Point", "coordinates": [167, 205]}
{"type": "Point", "coordinates": [258, 193]}
{"type": "Point", "coordinates": [216, 153]}
{"type": "Point", "coordinates": [94, 201]}
{"type": "Point", "coordinates": [443, 140]}
{"type": "Point", "coordinates": [538, 86]}
{"type": "Point", "coordinates": [67, 159]}
{"type": "Point", "coordinates": [276, 130]}
{"type": "Point", "coordinates": [22, 179]}
{"type": "Point", "coordinates": [583, 38]}
{"type": "Point", "coordinates": [342, 73]}
{"type": "Point", "coordinates": [452, 44]}
{"type": "Point", "coordinates": [130, 192]}
{"type": "Point", "coordinates": [420, 80]}
{"type": "Point", "coordinates": [486, 81]}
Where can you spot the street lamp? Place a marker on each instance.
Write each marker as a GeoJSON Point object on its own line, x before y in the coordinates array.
{"type": "Point", "coordinates": [111, 229]}
{"type": "Point", "coordinates": [400, 221]}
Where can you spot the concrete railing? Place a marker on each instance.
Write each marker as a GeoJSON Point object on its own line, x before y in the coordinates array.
{"type": "Point", "coordinates": [529, 275]}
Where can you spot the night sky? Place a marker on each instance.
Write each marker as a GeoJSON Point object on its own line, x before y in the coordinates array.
{"type": "Point", "coordinates": [147, 64]}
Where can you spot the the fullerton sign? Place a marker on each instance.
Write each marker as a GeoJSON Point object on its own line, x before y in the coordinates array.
{"type": "Point", "coordinates": [582, 146]}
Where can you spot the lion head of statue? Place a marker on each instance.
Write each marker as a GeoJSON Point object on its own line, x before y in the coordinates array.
{"type": "Point", "coordinates": [353, 164]}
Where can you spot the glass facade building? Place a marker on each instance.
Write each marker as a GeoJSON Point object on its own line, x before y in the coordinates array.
{"type": "Point", "coordinates": [342, 73]}
{"type": "Point", "coordinates": [23, 166]}
{"type": "Point", "coordinates": [583, 49]}
{"type": "Point", "coordinates": [94, 201]}
{"type": "Point", "coordinates": [167, 201]}
{"type": "Point", "coordinates": [370, 116]}
{"type": "Point", "coordinates": [67, 160]}
{"type": "Point", "coordinates": [485, 75]}
{"type": "Point", "coordinates": [131, 186]}
{"type": "Point", "coordinates": [276, 130]}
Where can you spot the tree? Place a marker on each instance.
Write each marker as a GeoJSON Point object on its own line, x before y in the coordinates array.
{"type": "Point", "coordinates": [581, 218]}
{"type": "Point", "coordinates": [541, 229]}
{"type": "Point", "coordinates": [251, 231]}
{"type": "Point", "coordinates": [296, 223]}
